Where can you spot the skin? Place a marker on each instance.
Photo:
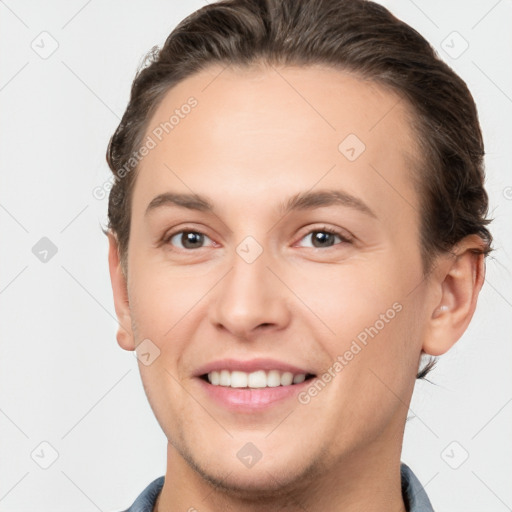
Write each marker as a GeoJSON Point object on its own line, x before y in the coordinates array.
{"type": "Point", "coordinates": [256, 138]}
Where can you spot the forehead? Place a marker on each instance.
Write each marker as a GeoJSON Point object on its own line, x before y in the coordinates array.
{"type": "Point", "coordinates": [247, 129]}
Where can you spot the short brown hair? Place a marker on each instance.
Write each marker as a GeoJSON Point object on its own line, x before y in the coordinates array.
{"type": "Point", "coordinates": [357, 36]}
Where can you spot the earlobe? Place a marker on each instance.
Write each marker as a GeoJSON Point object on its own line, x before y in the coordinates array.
{"type": "Point", "coordinates": [457, 283]}
{"type": "Point", "coordinates": [124, 334]}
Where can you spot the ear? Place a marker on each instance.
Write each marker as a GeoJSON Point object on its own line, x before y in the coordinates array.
{"type": "Point", "coordinates": [456, 283]}
{"type": "Point", "coordinates": [125, 336]}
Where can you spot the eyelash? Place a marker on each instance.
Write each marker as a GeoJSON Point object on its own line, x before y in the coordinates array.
{"type": "Point", "coordinates": [324, 229]}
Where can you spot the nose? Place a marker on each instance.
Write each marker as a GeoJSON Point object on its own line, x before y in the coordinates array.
{"type": "Point", "coordinates": [250, 298]}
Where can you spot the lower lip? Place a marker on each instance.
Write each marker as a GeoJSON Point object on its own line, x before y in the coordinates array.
{"type": "Point", "coordinates": [253, 399]}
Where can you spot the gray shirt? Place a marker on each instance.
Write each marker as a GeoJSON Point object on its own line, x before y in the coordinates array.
{"type": "Point", "coordinates": [415, 497]}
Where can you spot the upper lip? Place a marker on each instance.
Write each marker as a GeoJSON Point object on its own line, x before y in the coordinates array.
{"type": "Point", "coordinates": [249, 366]}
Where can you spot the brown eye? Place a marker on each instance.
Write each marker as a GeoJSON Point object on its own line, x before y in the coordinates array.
{"type": "Point", "coordinates": [325, 238]}
{"type": "Point", "coordinates": [188, 239]}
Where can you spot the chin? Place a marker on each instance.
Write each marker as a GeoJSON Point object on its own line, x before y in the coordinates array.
{"type": "Point", "coordinates": [252, 485]}
{"type": "Point", "coordinates": [265, 480]}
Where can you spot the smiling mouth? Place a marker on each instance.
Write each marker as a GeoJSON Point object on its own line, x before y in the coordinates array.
{"type": "Point", "coordinates": [242, 380]}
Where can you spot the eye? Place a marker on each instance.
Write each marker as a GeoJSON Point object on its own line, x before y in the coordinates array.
{"type": "Point", "coordinates": [188, 238]}
{"type": "Point", "coordinates": [324, 236]}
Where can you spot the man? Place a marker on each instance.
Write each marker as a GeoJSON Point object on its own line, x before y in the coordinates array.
{"type": "Point", "coordinates": [296, 221]}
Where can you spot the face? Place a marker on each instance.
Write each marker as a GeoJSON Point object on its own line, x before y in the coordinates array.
{"type": "Point", "coordinates": [302, 254]}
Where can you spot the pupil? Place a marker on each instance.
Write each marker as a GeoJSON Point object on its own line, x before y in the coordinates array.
{"type": "Point", "coordinates": [191, 238]}
{"type": "Point", "coordinates": [321, 236]}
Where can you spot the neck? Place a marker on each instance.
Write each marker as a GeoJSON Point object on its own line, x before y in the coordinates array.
{"type": "Point", "coordinates": [366, 479]}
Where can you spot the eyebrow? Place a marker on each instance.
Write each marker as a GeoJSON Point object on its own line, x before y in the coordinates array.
{"type": "Point", "coordinates": [301, 201]}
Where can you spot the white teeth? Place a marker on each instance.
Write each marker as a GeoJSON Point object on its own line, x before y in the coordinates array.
{"type": "Point", "coordinates": [238, 380]}
{"type": "Point", "coordinates": [225, 378]}
{"type": "Point", "coordinates": [299, 378]}
{"type": "Point", "coordinates": [273, 379]}
{"type": "Point", "coordinates": [286, 378]}
{"type": "Point", "coordinates": [257, 379]}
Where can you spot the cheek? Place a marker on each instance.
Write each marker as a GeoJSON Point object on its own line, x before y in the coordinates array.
{"type": "Point", "coordinates": [378, 360]}
{"type": "Point", "coordinates": [380, 349]}
{"type": "Point", "coordinates": [350, 298]}
{"type": "Point", "coordinates": [161, 300]}
{"type": "Point", "coordinates": [367, 321]}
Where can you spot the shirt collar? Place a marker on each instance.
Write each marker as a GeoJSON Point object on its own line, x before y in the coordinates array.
{"type": "Point", "coordinates": [413, 493]}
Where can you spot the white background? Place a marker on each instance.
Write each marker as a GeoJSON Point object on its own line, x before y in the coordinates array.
{"type": "Point", "coordinates": [63, 378]}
